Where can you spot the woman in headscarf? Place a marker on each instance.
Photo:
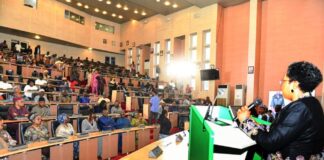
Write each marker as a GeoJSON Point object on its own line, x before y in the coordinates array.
{"type": "Point", "coordinates": [37, 131]}
{"type": "Point", "coordinates": [65, 129]}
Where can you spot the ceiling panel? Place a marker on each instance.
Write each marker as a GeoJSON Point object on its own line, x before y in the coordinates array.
{"type": "Point", "coordinates": [150, 7]}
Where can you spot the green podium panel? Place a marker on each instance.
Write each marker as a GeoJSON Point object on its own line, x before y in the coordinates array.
{"type": "Point", "coordinates": [217, 138]}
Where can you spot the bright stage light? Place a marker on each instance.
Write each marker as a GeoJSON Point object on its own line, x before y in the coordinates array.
{"type": "Point", "coordinates": [181, 69]}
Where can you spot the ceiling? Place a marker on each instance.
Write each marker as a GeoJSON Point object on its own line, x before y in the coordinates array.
{"type": "Point", "coordinates": [149, 7]}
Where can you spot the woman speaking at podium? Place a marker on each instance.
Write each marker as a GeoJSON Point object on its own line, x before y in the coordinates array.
{"type": "Point", "coordinates": [298, 131]}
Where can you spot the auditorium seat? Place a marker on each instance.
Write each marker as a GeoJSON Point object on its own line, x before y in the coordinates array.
{"type": "Point", "coordinates": [22, 128]}
{"type": "Point", "coordinates": [4, 111]}
{"type": "Point", "coordinates": [84, 109]}
{"type": "Point", "coordinates": [65, 108]}
{"type": "Point", "coordinates": [54, 125]}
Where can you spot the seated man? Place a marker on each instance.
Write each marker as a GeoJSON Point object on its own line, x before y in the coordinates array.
{"type": "Point", "coordinates": [84, 98]}
{"type": "Point", "coordinates": [104, 122]}
{"type": "Point", "coordinates": [40, 81]}
{"type": "Point", "coordinates": [17, 110]}
{"type": "Point", "coordinates": [116, 108]}
{"type": "Point", "coordinates": [123, 121]}
{"type": "Point", "coordinates": [41, 109]}
{"type": "Point", "coordinates": [41, 93]}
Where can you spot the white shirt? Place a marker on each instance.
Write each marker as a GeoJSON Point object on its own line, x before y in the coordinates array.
{"type": "Point", "coordinates": [64, 130]}
{"type": "Point", "coordinates": [18, 47]}
{"type": "Point", "coordinates": [5, 85]}
{"type": "Point", "coordinates": [40, 82]}
{"type": "Point", "coordinates": [27, 90]}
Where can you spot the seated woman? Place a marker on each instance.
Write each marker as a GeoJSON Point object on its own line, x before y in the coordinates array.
{"type": "Point", "coordinates": [37, 131]}
{"type": "Point", "coordinates": [89, 124]}
{"type": "Point", "coordinates": [138, 120]}
{"type": "Point", "coordinates": [5, 136]}
{"type": "Point", "coordinates": [65, 129]}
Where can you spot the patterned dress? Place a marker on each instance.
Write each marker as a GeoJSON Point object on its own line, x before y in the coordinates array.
{"type": "Point", "coordinates": [33, 134]}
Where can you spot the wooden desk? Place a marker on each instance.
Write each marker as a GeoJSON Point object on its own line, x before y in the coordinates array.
{"type": "Point", "coordinates": [64, 150]}
{"type": "Point", "coordinates": [171, 149]}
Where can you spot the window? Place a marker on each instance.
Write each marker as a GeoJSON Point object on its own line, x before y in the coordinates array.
{"type": "Point", "coordinates": [157, 53]}
{"type": "Point", "coordinates": [168, 51]}
{"type": "Point", "coordinates": [138, 59]}
{"type": "Point", "coordinates": [74, 17]}
{"type": "Point", "coordinates": [193, 47]}
{"type": "Point", "coordinates": [193, 83]}
{"type": "Point", "coordinates": [156, 58]}
{"type": "Point", "coordinates": [130, 56]}
{"type": "Point", "coordinates": [105, 27]}
{"type": "Point", "coordinates": [206, 56]}
{"type": "Point", "coordinates": [113, 60]}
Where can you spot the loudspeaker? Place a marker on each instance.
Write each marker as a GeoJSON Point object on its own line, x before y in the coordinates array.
{"type": "Point", "coordinates": [156, 152]}
{"type": "Point", "coordinates": [30, 3]}
{"type": "Point", "coordinates": [209, 74]}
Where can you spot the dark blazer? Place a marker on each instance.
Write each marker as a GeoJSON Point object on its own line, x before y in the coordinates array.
{"type": "Point", "coordinates": [298, 130]}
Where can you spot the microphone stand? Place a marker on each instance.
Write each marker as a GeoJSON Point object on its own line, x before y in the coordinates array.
{"type": "Point", "coordinates": [208, 115]}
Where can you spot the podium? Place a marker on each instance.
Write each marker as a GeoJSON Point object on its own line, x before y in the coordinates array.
{"type": "Point", "coordinates": [216, 138]}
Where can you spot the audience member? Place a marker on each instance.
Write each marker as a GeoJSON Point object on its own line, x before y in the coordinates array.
{"type": "Point", "coordinates": [29, 89]}
{"type": "Point", "coordinates": [5, 136]}
{"type": "Point", "coordinates": [138, 120]}
{"type": "Point", "coordinates": [105, 122]}
{"type": "Point", "coordinates": [165, 125]}
{"type": "Point", "coordinates": [18, 110]}
{"type": "Point", "coordinates": [154, 107]}
{"type": "Point", "coordinates": [41, 94]}
{"type": "Point", "coordinates": [123, 121]}
{"type": "Point", "coordinates": [41, 109]}
{"type": "Point", "coordinates": [116, 108]}
{"type": "Point", "coordinates": [37, 131]}
{"type": "Point", "coordinates": [40, 81]}
{"type": "Point", "coordinates": [89, 124]}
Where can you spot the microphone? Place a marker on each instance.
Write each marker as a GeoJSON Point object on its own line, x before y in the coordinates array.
{"type": "Point", "coordinates": [256, 102]}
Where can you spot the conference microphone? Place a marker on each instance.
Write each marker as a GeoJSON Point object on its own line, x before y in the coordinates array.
{"type": "Point", "coordinates": [256, 102]}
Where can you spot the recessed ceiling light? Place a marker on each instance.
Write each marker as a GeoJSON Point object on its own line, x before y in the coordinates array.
{"type": "Point", "coordinates": [118, 5]}
{"type": "Point", "coordinates": [90, 48]}
{"type": "Point", "coordinates": [96, 10]}
{"type": "Point", "coordinates": [125, 8]}
{"type": "Point", "coordinates": [175, 5]}
{"type": "Point", "coordinates": [114, 15]}
{"type": "Point", "coordinates": [68, 1]}
{"type": "Point", "coordinates": [108, 2]}
{"type": "Point", "coordinates": [86, 6]}
{"type": "Point", "coordinates": [120, 17]}
{"type": "Point", "coordinates": [143, 13]}
{"type": "Point", "coordinates": [79, 4]}
{"type": "Point", "coordinates": [37, 37]}
{"type": "Point", "coordinates": [104, 12]}
{"type": "Point", "coordinates": [157, 0]}
{"type": "Point", "coordinates": [135, 11]}
{"type": "Point", "coordinates": [100, 0]}
{"type": "Point", "coordinates": [167, 3]}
